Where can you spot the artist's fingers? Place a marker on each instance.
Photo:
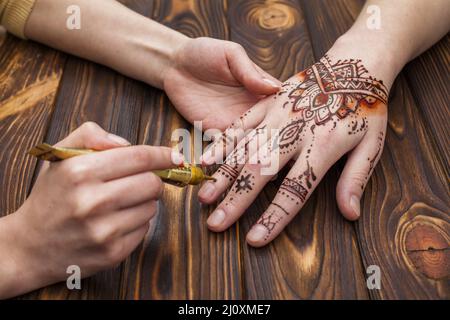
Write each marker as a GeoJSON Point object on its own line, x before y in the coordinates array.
{"type": "Point", "coordinates": [244, 71]}
{"type": "Point", "coordinates": [124, 246]}
{"type": "Point", "coordinates": [296, 188]}
{"type": "Point", "coordinates": [267, 75]}
{"type": "Point", "coordinates": [228, 172]}
{"type": "Point", "coordinates": [360, 164]}
{"type": "Point", "coordinates": [122, 162]}
{"type": "Point", "coordinates": [122, 222]}
{"type": "Point", "coordinates": [91, 136]}
{"type": "Point", "coordinates": [229, 139]}
{"type": "Point", "coordinates": [129, 191]}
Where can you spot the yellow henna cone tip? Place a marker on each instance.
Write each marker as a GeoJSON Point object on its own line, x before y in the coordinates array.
{"type": "Point", "coordinates": [182, 176]}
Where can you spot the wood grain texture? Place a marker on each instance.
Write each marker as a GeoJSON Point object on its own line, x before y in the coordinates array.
{"type": "Point", "coordinates": [317, 255]}
{"type": "Point", "coordinates": [405, 223]}
{"type": "Point", "coordinates": [29, 78]}
{"type": "Point", "coordinates": [182, 259]}
{"type": "Point", "coordinates": [408, 196]}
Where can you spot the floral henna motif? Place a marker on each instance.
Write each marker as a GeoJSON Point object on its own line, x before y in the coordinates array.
{"type": "Point", "coordinates": [329, 92]}
{"type": "Point", "coordinates": [335, 89]}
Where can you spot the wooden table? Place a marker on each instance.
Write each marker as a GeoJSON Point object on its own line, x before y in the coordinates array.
{"type": "Point", "coordinates": [404, 228]}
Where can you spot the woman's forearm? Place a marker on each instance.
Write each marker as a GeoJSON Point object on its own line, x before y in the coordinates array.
{"type": "Point", "coordinates": [110, 34]}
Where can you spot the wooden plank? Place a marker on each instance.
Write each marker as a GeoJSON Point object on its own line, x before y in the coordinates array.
{"type": "Point", "coordinates": [317, 255]}
{"type": "Point", "coordinates": [179, 258]}
{"type": "Point", "coordinates": [404, 227]}
{"type": "Point", "coordinates": [29, 78]}
{"type": "Point", "coordinates": [183, 260]}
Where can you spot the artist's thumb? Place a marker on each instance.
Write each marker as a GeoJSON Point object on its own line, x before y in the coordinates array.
{"type": "Point", "coordinates": [253, 78]}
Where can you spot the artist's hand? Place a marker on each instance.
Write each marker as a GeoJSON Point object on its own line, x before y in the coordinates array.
{"type": "Point", "coordinates": [214, 81]}
{"type": "Point", "coordinates": [319, 115]}
{"type": "Point", "coordinates": [90, 211]}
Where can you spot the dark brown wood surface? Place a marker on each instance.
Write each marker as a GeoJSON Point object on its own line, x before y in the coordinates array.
{"type": "Point", "coordinates": [405, 224]}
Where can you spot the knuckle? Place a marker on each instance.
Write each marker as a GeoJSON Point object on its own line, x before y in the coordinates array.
{"type": "Point", "coordinates": [238, 48]}
{"type": "Point", "coordinates": [101, 236]}
{"type": "Point", "coordinates": [76, 173]}
{"type": "Point", "coordinates": [114, 253]}
{"type": "Point", "coordinates": [86, 204]}
{"type": "Point", "coordinates": [151, 209]}
{"type": "Point", "coordinates": [153, 184]}
{"type": "Point", "coordinates": [89, 126]}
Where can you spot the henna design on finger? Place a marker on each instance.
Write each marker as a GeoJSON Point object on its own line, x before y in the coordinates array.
{"type": "Point", "coordinates": [228, 172]}
{"type": "Point", "coordinates": [297, 188]}
{"type": "Point", "coordinates": [269, 221]}
{"type": "Point", "coordinates": [244, 183]}
{"type": "Point", "coordinates": [281, 208]}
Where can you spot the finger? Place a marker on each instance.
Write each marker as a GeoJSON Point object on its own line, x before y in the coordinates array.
{"type": "Point", "coordinates": [131, 219]}
{"type": "Point", "coordinates": [130, 191]}
{"type": "Point", "coordinates": [267, 75]}
{"type": "Point", "coordinates": [91, 136]}
{"type": "Point", "coordinates": [244, 70]}
{"type": "Point", "coordinates": [248, 148]}
{"type": "Point", "coordinates": [122, 162]}
{"type": "Point", "coordinates": [360, 164]}
{"type": "Point", "coordinates": [125, 245]}
{"type": "Point", "coordinates": [229, 139]}
{"type": "Point", "coordinates": [246, 188]}
{"type": "Point", "coordinates": [296, 188]}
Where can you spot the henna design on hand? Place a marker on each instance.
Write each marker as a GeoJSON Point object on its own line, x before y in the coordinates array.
{"type": "Point", "coordinates": [338, 89]}
{"type": "Point", "coordinates": [329, 92]}
{"type": "Point", "coordinates": [244, 183]}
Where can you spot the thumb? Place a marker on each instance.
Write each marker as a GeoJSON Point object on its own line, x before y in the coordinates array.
{"type": "Point", "coordinates": [360, 164]}
{"type": "Point", "coordinates": [253, 78]}
{"type": "Point", "coordinates": [91, 136]}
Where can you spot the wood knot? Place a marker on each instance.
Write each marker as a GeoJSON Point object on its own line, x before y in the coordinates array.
{"type": "Point", "coordinates": [428, 250]}
{"type": "Point", "coordinates": [274, 16]}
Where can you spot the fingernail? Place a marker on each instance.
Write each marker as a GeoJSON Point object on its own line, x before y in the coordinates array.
{"type": "Point", "coordinates": [271, 83]}
{"type": "Point", "coordinates": [216, 218]}
{"type": "Point", "coordinates": [118, 140]}
{"type": "Point", "coordinates": [354, 203]}
{"type": "Point", "coordinates": [177, 158]}
{"type": "Point", "coordinates": [207, 158]}
{"type": "Point", "coordinates": [207, 191]}
{"type": "Point", "coordinates": [257, 233]}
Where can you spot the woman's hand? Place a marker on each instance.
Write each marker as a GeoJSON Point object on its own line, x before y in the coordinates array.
{"type": "Point", "coordinates": [214, 81]}
{"type": "Point", "coordinates": [320, 114]}
{"type": "Point", "coordinates": [90, 211]}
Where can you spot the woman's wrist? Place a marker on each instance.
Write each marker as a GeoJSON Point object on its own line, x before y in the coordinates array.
{"type": "Point", "coordinates": [155, 48]}
{"type": "Point", "coordinates": [378, 54]}
{"type": "Point", "coordinates": [18, 274]}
